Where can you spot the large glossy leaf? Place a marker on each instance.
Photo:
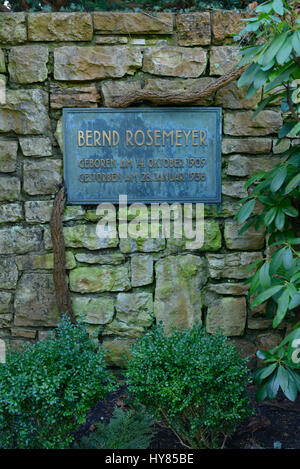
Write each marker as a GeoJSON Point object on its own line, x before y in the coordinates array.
{"type": "Point", "coordinates": [281, 76]}
{"type": "Point", "coordinates": [294, 182]}
{"type": "Point", "coordinates": [295, 301]}
{"type": "Point", "coordinates": [266, 295]}
{"type": "Point", "coordinates": [291, 391]}
{"type": "Point", "coordinates": [264, 276]}
{"type": "Point", "coordinates": [296, 377]}
{"type": "Point", "coordinates": [262, 392]}
{"type": "Point", "coordinates": [269, 216]}
{"type": "Point", "coordinates": [255, 178]}
{"type": "Point", "coordinates": [267, 371]}
{"type": "Point", "coordinates": [283, 378]}
{"type": "Point", "coordinates": [272, 386]}
{"type": "Point", "coordinates": [284, 52]}
{"type": "Point", "coordinates": [276, 261]}
{"type": "Point", "coordinates": [295, 130]}
{"type": "Point", "coordinates": [273, 49]}
{"type": "Point", "coordinates": [291, 212]}
{"type": "Point", "coordinates": [246, 211]}
{"type": "Point", "coordinates": [287, 258]}
{"type": "Point", "coordinates": [285, 129]}
{"type": "Point", "coordinates": [283, 304]}
{"type": "Point", "coordinates": [280, 219]}
{"type": "Point", "coordinates": [296, 42]}
{"type": "Point", "coordinates": [248, 75]}
{"type": "Point", "coordinates": [278, 7]}
{"type": "Point", "coordinates": [266, 7]}
{"type": "Point", "coordinates": [278, 179]}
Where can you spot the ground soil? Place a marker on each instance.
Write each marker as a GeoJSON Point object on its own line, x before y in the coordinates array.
{"type": "Point", "coordinates": [275, 424]}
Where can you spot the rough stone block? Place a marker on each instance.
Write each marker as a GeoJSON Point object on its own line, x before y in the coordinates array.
{"type": "Point", "coordinates": [225, 23]}
{"type": "Point", "coordinates": [60, 27]}
{"type": "Point", "coordinates": [233, 265]}
{"type": "Point", "coordinates": [100, 279]}
{"type": "Point", "coordinates": [112, 257]}
{"type": "Point", "coordinates": [8, 274]}
{"type": "Point", "coordinates": [133, 314]}
{"type": "Point", "coordinates": [246, 145]}
{"type": "Point", "coordinates": [233, 97]}
{"type": "Point", "coordinates": [175, 61]}
{"type": "Point", "coordinates": [228, 288]}
{"type": "Point", "coordinates": [239, 165]}
{"type": "Point", "coordinates": [141, 270]}
{"type": "Point", "coordinates": [212, 238]}
{"type": "Point", "coordinates": [96, 310]}
{"type": "Point", "coordinates": [28, 64]}
{"type": "Point", "coordinates": [5, 301]}
{"type": "Point", "coordinates": [193, 29]}
{"type": "Point", "coordinates": [239, 123]}
{"type": "Point", "coordinates": [19, 240]}
{"type": "Point", "coordinates": [11, 213]}
{"type": "Point", "coordinates": [12, 28]}
{"type": "Point", "coordinates": [2, 62]}
{"type": "Point", "coordinates": [37, 146]}
{"type": "Point", "coordinates": [42, 261]}
{"type": "Point", "coordinates": [9, 188]}
{"type": "Point", "coordinates": [95, 62]}
{"type": "Point", "coordinates": [113, 89]}
{"type": "Point", "coordinates": [85, 236]}
{"type": "Point", "coordinates": [179, 280]}
{"type": "Point", "coordinates": [105, 40]}
{"type": "Point", "coordinates": [38, 211]}
{"type": "Point", "coordinates": [73, 96]}
{"type": "Point", "coordinates": [234, 189]}
{"type": "Point", "coordinates": [228, 315]}
{"type": "Point", "coordinates": [24, 333]}
{"type": "Point", "coordinates": [259, 324]}
{"type": "Point", "coordinates": [35, 303]}
{"type": "Point", "coordinates": [223, 59]}
{"type": "Point", "coordinates": [133, 23]}
{"type": "Point", "coordinates": [250, 239]}
{"type": "Point", "coordinates": [8, 155]}
{"type": "Point", "coordinates": [25, 112]}
{"type": "Point", "coordinates": [42, 177]}
{"type": "Point", "coordinates": [267, 340]}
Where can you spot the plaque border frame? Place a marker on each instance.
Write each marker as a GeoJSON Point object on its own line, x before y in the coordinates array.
{"type": "Point", "coordinates": [211, 200]}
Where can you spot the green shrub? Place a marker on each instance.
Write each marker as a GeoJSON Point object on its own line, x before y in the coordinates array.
{"type": "Point", "coordinates": [125, 430]}
{"type": "Point", "coordinates": [195, 381]}
{"type": "Point", "coordinates": [47, 389]}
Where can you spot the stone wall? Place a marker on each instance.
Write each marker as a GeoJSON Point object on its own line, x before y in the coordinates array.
{"type": "Point", "coordinates": [53, 60]}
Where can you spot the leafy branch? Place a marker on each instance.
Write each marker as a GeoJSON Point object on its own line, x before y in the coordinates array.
{"type": "Point", "coordinates": [273, 55]}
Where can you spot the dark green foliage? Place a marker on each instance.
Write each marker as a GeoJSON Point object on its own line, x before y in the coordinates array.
{"type": "Point", "coordinates": [281, 370]}
{"type": "Point", "coordinates": [125, 430]}
{"type": "Point", "coordinates": [110, 5]}
{"type": "Point", "coordinates": [194, 381]}
{"type": "Point", "coordinates": [273, 55]}
{"type": "Point", "coordinates": [47, 389]}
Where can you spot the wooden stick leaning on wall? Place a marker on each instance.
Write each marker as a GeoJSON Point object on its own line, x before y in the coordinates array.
{"type": "Point", "coordinates": [62, 291]}
{"type": "Point", "coordinates": [172, 97]}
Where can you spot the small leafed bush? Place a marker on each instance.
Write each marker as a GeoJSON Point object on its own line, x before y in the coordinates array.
{"type": "Point", "coordinates": [47, 389]}
{"type": "Point", "coordinates": [194, 381]}
{"type": "Point", "coordinates": [125, 430]}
